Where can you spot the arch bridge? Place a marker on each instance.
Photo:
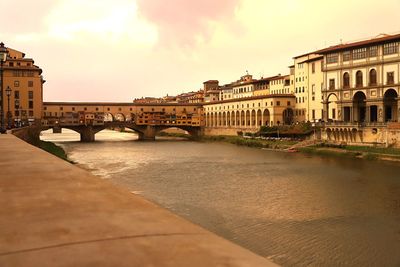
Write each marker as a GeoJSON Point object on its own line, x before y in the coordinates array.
{"type": "Point", "coordinates": [146, 119]}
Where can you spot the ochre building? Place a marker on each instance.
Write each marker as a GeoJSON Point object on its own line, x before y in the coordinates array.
{"type": "Point", "coordinates": [25, 81]}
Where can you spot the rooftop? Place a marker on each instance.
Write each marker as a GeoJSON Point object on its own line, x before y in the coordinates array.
{"type": "Point", "coordinates": [382, 38]}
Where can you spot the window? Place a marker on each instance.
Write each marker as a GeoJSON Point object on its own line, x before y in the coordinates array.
{"type": "Point", "coordinates": [30, 83]}
{"type": "Point", "coordinates": [61, 108]}
{"type": "Point", "coordinates": [313, 114]}
{"type": "Point", "coordinates": [390, 48]}
{"type": "Point", "coordinates": [30, 104]}
{"type": "Point", "coordinates": [334, 113]}
{"type": "Point", "coordinates": [332, 58]}
{"type": "Point", "coordinates": [11, 64]}
{"type": "Point", "coordinates": [331, 84]}
{"type": "Point", "coordinates": [85, 108]}
{"type": "Point", "coordinates": [288, 103]}
{"type": "Point", "coordinates": [16, 83]}
{"type": "Point", "coordinates": [372, 77]}
{"type": "Point", "coordinates": [346, 80]}
{"type": "Point", "coordinates": [278, 103]}
{"type": "Point", "coordinates": [313, 89]}
{"type": "Point", "coordinates": [390, 77]}
{"type": "Point", "coordinates": [30, 113]}
{"type": "Point", "coordinates": [346, 56]}
{"type": "Point", "coordinates": [313, 67]}
{"type": "Point", "coordinates": [16, 94]}
{"type": "Point", "coordinates": [359, 79]}
{"type": "Point", "coordinates": [360, 53]}
{"type": "Point", "coordinates": [17, 113]}
{"type": "Point", "coordinates": [30, 94]}
{"type": "Point", "coordinates": [373, 51]}
{"type": "Point", "coordinates": [73, 108]}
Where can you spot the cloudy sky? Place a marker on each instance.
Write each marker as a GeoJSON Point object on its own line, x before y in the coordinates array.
{"type": "Point", "coordinates": [116, 50]}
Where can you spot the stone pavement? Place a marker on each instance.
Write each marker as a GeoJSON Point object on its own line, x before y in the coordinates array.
{"type": "Point", "coordinates": [55, 214]}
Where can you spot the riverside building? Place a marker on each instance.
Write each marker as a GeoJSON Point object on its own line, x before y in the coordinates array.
{"type": "Point", "coordinates": [361, 80]}
{"type": "Point", "coordinates": [24, 82]}
{"type": "Point", "coordinates": [307, 85]}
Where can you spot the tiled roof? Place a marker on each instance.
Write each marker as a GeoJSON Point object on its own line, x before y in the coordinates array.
{"type": "Point", "coordinates": [380, 39]}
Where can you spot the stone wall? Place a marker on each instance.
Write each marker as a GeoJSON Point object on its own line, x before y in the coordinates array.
{"type": "Point", "coordinates": [230, 131]}
{"type": "Point", "coordinates": [381, 136]}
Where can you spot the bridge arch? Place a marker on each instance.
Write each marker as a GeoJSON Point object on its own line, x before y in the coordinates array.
{"type": "Point", "coordinates": [108, 117]}
{"type": "Point", "coordinates": [119, 117]}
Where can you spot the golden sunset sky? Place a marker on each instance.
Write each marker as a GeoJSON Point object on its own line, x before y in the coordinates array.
{"type": "Point", "coordinates": [116, 50]}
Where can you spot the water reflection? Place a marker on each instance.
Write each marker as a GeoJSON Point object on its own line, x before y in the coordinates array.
{"type": "Point", "coordinates": [292, 208]}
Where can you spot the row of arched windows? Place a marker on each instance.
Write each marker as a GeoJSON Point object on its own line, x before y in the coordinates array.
{"type": "Point", "coordinates": [359, 79]}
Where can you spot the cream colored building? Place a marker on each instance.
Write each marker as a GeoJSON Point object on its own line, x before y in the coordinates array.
{"type": "Point", "coordinates": [244, 87]}
{"type": "Point", "coordinates": [308, 84]}
{"type": "Point", "coordinates": [25, 80]}
{"type": "Point", "coordinates": [362, 80]}
{"type": "Point", "coordinates": [280, 85]}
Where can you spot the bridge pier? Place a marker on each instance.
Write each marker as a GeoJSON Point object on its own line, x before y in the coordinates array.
{"type": "Point", "coordinates": [149, 134]}
{"type": "Point", "coordinates": [87, 134]}
{"type": "Point", "coordinates": [57, 130]}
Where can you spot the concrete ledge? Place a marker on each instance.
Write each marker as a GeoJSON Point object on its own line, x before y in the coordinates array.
{"type": "Point", "coordinates": [55, 214]}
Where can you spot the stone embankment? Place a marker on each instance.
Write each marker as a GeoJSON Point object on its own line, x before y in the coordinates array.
{"type": "Point", "coordinates": [56, 214]}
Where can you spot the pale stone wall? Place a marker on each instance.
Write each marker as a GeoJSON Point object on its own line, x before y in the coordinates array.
{"type": "Point", "coordinates": [230, 131]}
{"type": "Point", "coordinates": [365, 136]}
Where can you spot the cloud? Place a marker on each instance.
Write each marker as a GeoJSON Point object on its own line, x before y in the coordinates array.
{"type": "Point", "coordinates": [109, 20]}
{"type": "Point", "coordinates": [18, 17]}
{"type": "Point", "coordinates": [184, 22]}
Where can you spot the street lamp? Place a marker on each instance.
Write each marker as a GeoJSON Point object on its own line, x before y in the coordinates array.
{"type": "Point", "coordinates": [3, 57]}
{"type": "Point", "coordinates": [8, 92]}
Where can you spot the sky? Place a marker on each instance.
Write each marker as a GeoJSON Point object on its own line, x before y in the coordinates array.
{"type": "Point", "coordinates": [118, 50]}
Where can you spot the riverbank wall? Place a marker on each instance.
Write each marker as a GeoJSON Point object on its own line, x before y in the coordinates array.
{"type": "Point", "coordinates": [385, 136]}
{"type": "Point", "coordinates": [56, 214]}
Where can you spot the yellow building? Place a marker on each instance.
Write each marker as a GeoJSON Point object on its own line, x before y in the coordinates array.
{"type": "Point", "coordinates": [24, 104]}
{"type": "Point", "coordinates": [249, 114]}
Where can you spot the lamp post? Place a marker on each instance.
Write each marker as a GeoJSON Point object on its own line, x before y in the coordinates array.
{"type": "Point", "coordinates": [3, 57]}
{"type": "Point", "coordinates": [8, 92]}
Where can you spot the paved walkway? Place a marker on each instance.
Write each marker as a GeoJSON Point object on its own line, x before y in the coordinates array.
{"type": "Point", "coordinates": [55, 214]}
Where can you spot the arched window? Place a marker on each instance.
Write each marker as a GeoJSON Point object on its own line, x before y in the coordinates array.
{"type": "Point", "coordinates": [372, 77]}
{"type": "Point", "coordinates": [359, 79]}
{"type": "Point", "coordinates": [346, 80]}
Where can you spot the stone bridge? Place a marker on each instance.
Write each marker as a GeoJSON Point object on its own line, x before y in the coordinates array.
{"type": "Point", "coordinates": [89, 118]}
{"type": "Point", "coordinates": [145, 132]}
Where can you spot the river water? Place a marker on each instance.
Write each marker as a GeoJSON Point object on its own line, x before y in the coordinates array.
{"type": "Point", "coordinates": [295, 209]}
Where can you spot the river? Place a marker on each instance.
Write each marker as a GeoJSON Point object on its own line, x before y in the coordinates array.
{"type": "Point", "coordinates": [292, 208]}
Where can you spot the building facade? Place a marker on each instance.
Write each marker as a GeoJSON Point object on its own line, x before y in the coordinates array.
{"type": "Point", "coordinates": [25, 103]}
{"type": "Point", "coordinates": [362, 82]}
{"type": "Point", "coordinates": [307, 85]}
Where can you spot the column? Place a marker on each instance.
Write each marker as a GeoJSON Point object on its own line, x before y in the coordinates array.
{"type": "Point", "coordinates": [381, 112]}
{"type": "Point", "coordinates": [398, 110]}
{"type": "Point", "coordinates": [368, 113]}
{"type": "Point", "coordinates": [326, 110]}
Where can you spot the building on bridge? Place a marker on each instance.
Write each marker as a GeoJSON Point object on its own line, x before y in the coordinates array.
{"type": "Point", "coordinates": [25, 80]}
{"type": "Point", "coordinates": [146, 119]}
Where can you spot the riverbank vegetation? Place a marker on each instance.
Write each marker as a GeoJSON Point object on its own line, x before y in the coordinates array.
{"type": "Point", "coordinates": [53, 149]}
{"type": "Point", "coordinates": [279, 144]}
{"type": "Point", "coordinates": [364, 152]}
